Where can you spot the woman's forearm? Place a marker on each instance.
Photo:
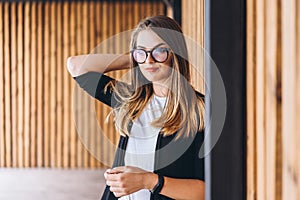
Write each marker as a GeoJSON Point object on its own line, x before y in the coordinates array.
{"type": "Point", "coordinates": [178, 188]}
{"type": "Point", "coordinates": [102, 63]}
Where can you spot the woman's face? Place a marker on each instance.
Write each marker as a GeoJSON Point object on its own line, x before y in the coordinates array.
{"type": "Point", "coordinates": [156, 72]}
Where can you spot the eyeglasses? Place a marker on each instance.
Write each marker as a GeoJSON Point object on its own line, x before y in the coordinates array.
{"type": "Point", "coordinates": [159, 54]}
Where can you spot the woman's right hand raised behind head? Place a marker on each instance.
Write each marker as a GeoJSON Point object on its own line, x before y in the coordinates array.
{"type": "Point", "coordinates": [102, 63]}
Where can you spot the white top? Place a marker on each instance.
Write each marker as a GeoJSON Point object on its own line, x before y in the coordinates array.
{"type": "Point", "coordinates": [140, 150]}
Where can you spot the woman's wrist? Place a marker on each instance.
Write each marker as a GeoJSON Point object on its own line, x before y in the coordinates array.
{"type": "Point", "coordinates": [150, 180]}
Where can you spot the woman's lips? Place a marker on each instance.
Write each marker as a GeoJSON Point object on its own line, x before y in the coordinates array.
{"type": "Point", "coordinates": [151, 69]}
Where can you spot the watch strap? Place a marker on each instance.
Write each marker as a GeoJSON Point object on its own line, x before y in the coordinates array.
{"type": "Point", "coordinates": [158, 187]}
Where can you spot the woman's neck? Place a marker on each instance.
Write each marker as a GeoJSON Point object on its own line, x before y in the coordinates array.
{"type": "Point", "coordinates": [160, 90]}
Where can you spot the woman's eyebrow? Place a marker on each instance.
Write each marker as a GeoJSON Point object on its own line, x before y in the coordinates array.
{"type": "Point", "coordinates": [139, 46]}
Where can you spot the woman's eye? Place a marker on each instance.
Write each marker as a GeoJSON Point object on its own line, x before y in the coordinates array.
{"type": "Point", "coordinates": [160, 50]}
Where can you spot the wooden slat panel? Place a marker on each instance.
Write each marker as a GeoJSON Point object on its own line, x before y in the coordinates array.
{"type": "Point", "coordinates": [111, 31]}
{"type": "Point", "coordinates": [91, 106]}
{"type": "Point", "coordinates": [98, 38]}
{"type": "Point", "coordinates": [27, 98]}
{"type": "Point", "coordinates": [47, 84]}
{"type": "Point", "coordinates": [193, 28]}
{"type": "Point", "coordinates": [20, 87]}
{"type": "Point", "coordinates": [104, 50]}
{"type": "Point", "coordinates": [7, 85]}
{"type": "Point", "coordinates": [72, 36]}
{"type": "Point", "coordinates": [2, 103]}
{"type": "Point", "coordinates": [272, 53]}
{"type": "Point", "coordinates": [59, 90]}
{"type": "Point", "coordinates": [289, 101]}
{"type": "Point", "coordinates": [33, 88]}
{"type": "Point", "coordinates": [251, 103]}
{"type": "Point", "coordinates": [271, 100]}
{"type": "Point", "coordinates": [66, 84]}
{"type": "Point", "coordinates": [37, 90]}
{"type": "Point", "coordinates": [260, 97]}
{"type": "Point", "coordinates": [40, 87]}
{"type": "Point", "coordinates": [79, 112]}
{"type": "Point", "coordinates": [297, 95]}
{"type": "Point", "coordinates": [53, 82]}
{"type": "Point", "coordinates": [85, 140]}
{"type": "Point", "coordinates": [14, 82]}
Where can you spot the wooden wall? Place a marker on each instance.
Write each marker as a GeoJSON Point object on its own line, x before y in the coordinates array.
{"type": "Point", "coordinates": [273, 94]}
{"type": "Point", "coordinates": [273, 99]}
{"type": "Point", "coordinates": [193, 28]}
{"type": "Point", "coordinates": [37, 126]}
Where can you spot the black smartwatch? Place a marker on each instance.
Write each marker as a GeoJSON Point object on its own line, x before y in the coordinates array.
{"type": "Point", "coordinates": [160, 184]}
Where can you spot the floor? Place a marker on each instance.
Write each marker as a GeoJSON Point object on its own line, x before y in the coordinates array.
{"type": "Point", "coordinates": [51, 184]}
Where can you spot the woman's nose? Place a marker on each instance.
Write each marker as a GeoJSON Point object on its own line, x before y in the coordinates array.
{"type": "Point", "coordinates": [149, 58]}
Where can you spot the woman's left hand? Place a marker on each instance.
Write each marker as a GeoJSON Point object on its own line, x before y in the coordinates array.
{"type": "Point", "coordinates": [125, 180]}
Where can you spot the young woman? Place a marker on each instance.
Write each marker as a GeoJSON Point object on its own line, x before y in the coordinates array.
{"type": "Point", "coordinates": [159, 115]}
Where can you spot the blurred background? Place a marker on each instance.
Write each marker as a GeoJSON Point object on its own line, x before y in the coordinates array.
{"type": "Point", "coordinates": [39, 142]}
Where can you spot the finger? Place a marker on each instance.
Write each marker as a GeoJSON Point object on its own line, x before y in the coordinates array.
{"type": "Point", "coordinates": [116, 190]}
{"type": "Point", "coordinates": [113, 183]}
{"type": "Point", "coordinates": [119, 194]}
{"type": "Point", "coordinates": [106, 173]}
{"type": "Point", "coordinates": [118, 169]}
{"type": "Point", "coordinates": [113, 177]}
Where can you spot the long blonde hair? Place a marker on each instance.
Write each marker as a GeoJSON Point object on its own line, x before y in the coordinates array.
{"type": "Point", "coordinates": [184, 112]}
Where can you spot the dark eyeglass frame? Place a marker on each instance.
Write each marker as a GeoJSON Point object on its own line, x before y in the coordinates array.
{"type": "Point", "coordinates": [168, 49]}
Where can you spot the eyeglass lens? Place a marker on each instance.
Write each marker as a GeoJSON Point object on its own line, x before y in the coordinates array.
{"type": "Point", "coordinates": [158, 54]}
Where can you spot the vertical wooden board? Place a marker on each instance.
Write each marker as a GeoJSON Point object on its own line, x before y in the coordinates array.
{"type": "Point", "coordinates": [53, 82]}
{"type": "Point", "coordinates": [131, 25]}
{"type": "Point", "coordinates": [260, 108]}
{"type": "Point", "coordinates": [59, 89]}
{"type": "Point", "coordinates": [200, 39]}
{"type": "Point", "coordinates": [191, 37]}
{"type": "Point", "coordinates": [91, 107]}
{"type": "Point", "coordinates": [154, 8]}
{"type": "Point", "coordinates": [147, 9]}
{"type": "Point", "coordinates": [118, 20]}
{"type": "Point", "coordinates": [110, 48]}
{"type": "Point", "coordinates": [136, 12]}
{"type": "Point", "coordinates": [33, 89]}
{"type": "Point", "coordinates": [2, 138]}
{"type": "Point", "coordinates": [188, 15]}
{"type": "Point", "coordinates": [99, 112]}
{"type": "Point", "coordinates": [104, 50]}
{"type": "Point", "coordinates": [124, 26]}
{"type": "Point", "coordinates": [270, 95]}
{"type": "Point", "coordinates": [161, 9]}
{"type": "Point", "coordinates": [46, 85]}
{"type": "Point", "coordinates": [183, 16]}
{"type": "Point", "coordinates": [143, 9]}
{"type": "Point", "coordinates": [251, 134]}
{"type": "Point", "coordinates": [14, 88]}
{"type": "Point", "coordinates": [40, 86]}
{"type": "Point", "coordinates": [79, 99]}
{"type": "Point", "coordinates": [7, 85]}
{"type": "Point", "coordinates": [288, 101]}
{"type": "Point", "coordinates": [194, 37]}
{"type": "Point", "coordinates": [20, 85]}
{"type": "Point", "coordinates": [119, 49]}
{"type": "Point", "coordinates": [66, 86]}
{"type": "Point", "coordinates": [72, 33]}
{"type": "Point", "coordinates": [297, 96]}
{"type": "Point", "coordinates": [27, 85]}
{"type": "Point", "coordinates": [85, 97]}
